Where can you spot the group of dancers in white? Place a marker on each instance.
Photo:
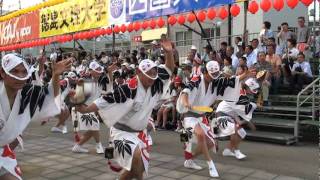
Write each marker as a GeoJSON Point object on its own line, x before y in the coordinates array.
{"type": "Point", "coordinates": [126, 109]}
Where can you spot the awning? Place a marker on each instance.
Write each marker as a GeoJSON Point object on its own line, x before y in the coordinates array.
{"type": "Point", "coordinates": [153, 34]}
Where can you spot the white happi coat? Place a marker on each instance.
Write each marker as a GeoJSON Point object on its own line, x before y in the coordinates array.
{"type": "Point", "coordinates": [31, 103]}
{"type": "Point", "coordinates": [132, 105]}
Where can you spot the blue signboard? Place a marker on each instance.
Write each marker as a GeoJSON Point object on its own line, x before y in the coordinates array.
{"type": "Point", "coordinates": [133, 10]}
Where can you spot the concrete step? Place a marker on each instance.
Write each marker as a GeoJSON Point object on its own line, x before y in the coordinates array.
{"type": "Point", "coordinates": [310, 122]}
{"type": "Point", "coordinates": [281, 115]}
{"type": "Point", "coordinates": [289, 97]}
{"type": "Point", "coordinates": [287, 109]}
{"type": "Point", "coordinates": [273, 137]}
{"type": "Point", "coordinates": [273, 122]}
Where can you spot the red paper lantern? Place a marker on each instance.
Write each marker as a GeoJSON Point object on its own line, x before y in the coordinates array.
{"type": "Point", "coordinates": [145, 24]}
{"type": "Point", "coordinates": [223, 13]}
{"type": "Point", "coordinates": [253, 7]}
{"type": "Point", "coordinates": [265, 5]}
{"type": "Point", "coordinates": [76, 36]}
{"type": "Point", "coordinates": [292, 3]}
{"type": "Point", "coordinates": [191, 17]}
{"type": "Point", "coordinates": [211, 13]}
{"type": "Point", "coordinates": [153, 24]}
{"type": "Point", "coordinates": [109, 31]}
{"type": "Point", "coordinates": [306, 2]}
{"type": "Point", "coordinates": [137, 26]}
{"type": "Point", "coordinates": [234, 10]}
{"type": "Point", "coordinates": [161, 22]}
{"type": "Point", "coordinates": [181, 19]}
{"type": "Point", "coordinates": [130, 27]}
{"type": "Point", "coordinates": [69, 37]}
{"type": "Point", "coordinates": [116, 29]}
{"type": "Point", "coordinates": [123, 28]}
{"type": "Point", "coordinates": [278, 4]}
{"type": "Point", "coordinates": [172, 20]}
{"type": "Point", "coordinates": [201, 15]}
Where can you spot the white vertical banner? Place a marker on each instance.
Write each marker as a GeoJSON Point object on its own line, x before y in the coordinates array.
{"type": "Point", "coordinates": [117, 12]}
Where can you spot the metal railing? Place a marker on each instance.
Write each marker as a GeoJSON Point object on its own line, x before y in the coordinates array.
{"type": "Point", "coordinates": [315, 86]}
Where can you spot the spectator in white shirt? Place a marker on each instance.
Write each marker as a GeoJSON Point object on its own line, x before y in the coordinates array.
{"type": "Point", "coordinates": [265, 33]}
{"type": "Point", "coordinates": [237, 40]}
{"type": "Point", "coordinates": [197, 62]}
{"type": "Point", "coordinates": [289, 59]}
{"type": "Point", "coordinates": [251, 56]}
{"type": "Point", "coordinates": [256, 46]}
{"type": "Point", "coordinates": [235, 60]}
{"type": "Point", "coordinates": [301, 74]}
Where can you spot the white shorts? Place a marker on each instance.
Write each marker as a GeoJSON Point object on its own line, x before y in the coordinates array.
{"type": "Point", "coordinates": [125, 144]}
{"type": "Point", "coordinates": [226, 126]}
{"type": "Point", "coordinates": [87, 122]}
{"type": "Point", "coordinates": [189, 124]}
{"type": "Point", "coordinates": [8, 162]}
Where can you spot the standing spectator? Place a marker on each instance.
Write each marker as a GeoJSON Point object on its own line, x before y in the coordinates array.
{"type": "Point", "coordinates": [264, 67]}
{"type": "Point", "coordinates": [155, 50]}
{"type": "Point", "coordinates": [184, 72]}
{"type": "Point", "coordinates": [275, 62]}
{"type": "Point", "coordinates": [142, 54]}
{"type": "Point", "coordinates": [223, 50]}
{"type": "Point", "coordinates": [197, 62]}
{"type": "Point", "coordinates": [235, 60]}
{"type": "Point", "coordinates": [237, 40]}
{"type": "Point", "coordinates": [272, 41]}
{"type": "Point", "coordinates": [265, 33]}
{"type": "Point", "coordinates": [214, 56]}
{"type": "Point", "coordinates": [175, 53]}
{"type": "Point", "coordinates": [302, 35]}
{"type": "Point", "coordinates": [207, 49]}
{"type": "Point", "coordinates": [193, 50]}
{"type": "Point", "coordinates": [301, 74]}
{"type": "Point", "coordinates": [284, 35]}
{"type": "Point", "coordinates": [240, 52]}
{"type": "Point", "coordinates": [250, 55]}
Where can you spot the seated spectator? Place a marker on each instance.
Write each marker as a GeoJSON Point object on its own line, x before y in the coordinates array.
{"type": "Point", "coordinates": [227, 68]}
{"type": "Point", "coordinates": [197, 62]}
{"type": "Point", "coordinates": [155, 50]}
{"type": "Point", "coordinates": [251, 56]}
{"type": "Point", "coordinates": [263, 68]}
{"type": "Point", "coordinates": [241, 69]}
{"type": "Point", "coordinates": [257, 47]}
{"type": "Point", "coordinates": [275, 62]}
{"type": "Point", "coordinates": [289, 58]}
{"type": "Point", "coordinates": [242, 63]}
{"type": "Point", "coordinates": [169, 99]}
{"type": "Point", "coordinates": [301, 74]}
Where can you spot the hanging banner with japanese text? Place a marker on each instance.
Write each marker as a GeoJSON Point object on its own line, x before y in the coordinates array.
{"type": "Point", "coordinates": [19, 29]}
{"type": "Point", "coordinates": [73, 15]}
{"type": "Point", "coordinates": [135, 10]}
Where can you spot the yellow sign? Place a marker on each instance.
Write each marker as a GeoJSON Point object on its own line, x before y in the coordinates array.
{"type": "Point", "coordinates": [72, 16]}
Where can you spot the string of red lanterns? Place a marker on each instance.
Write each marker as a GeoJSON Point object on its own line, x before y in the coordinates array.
{"type": "Point", "coordinates": [181, 19]}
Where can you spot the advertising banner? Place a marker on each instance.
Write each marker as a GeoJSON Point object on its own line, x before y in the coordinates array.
{"type": "Point", "coordinates": [19, 29]}
{"type": "Point", "coordinates": [73, 15]}
{"type": "Point", "coordinates": [135, 10]}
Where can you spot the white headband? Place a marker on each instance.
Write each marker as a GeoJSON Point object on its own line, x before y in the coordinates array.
{"type": "Point", "coordinates": [10, 61]}
{"type": "Point", "coordinates": [145, 66]}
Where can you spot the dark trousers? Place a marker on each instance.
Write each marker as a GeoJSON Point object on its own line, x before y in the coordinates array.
{"type": "Point", "coordinates": [298, 81]}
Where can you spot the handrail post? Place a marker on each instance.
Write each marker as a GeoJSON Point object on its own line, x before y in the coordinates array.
{"type": "Point", "coordinates": [296, 124]}
{"type": "Point", "coordinates": [313, 102]}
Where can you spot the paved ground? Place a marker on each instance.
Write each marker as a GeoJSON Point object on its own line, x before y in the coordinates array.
{"type": "Point", "coordinates": [49, 156]}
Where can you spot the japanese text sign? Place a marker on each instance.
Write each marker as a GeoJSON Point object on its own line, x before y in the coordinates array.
{"type": "Point", "coordinates": [73, 15]}
{"type": "Point", "coordinates": [145, 9]}
{"type": "Point", "coordinates": [22, 28]}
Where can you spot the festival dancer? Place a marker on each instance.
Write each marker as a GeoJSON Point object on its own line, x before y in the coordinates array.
{"type": "Point", "coordinates": [90, 122]}
{"type": "Point", "coordinates": [229, 117]}
{"type": "Point", "coordinates": [204, 91]}
{"type": "Point", "coordinates": [67, 85]}
{"type": "Point", "coordinates": [22, 102]}
{"type": "Point", "coordinates": [128, 108]}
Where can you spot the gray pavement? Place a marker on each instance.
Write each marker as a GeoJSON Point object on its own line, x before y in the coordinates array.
{"type": "Point", "coordinates": [49, 156]}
